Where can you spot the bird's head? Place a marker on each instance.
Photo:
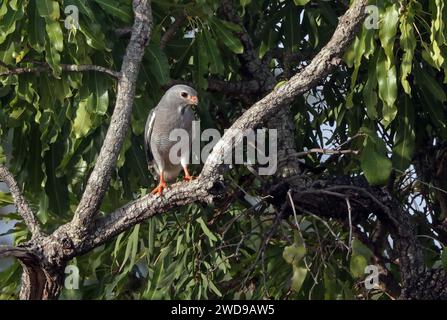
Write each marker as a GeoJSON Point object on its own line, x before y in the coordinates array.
{"type": "Point", "coordinates": [181, 95]}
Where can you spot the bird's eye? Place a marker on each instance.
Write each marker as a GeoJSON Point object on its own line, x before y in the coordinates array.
{"type": "Point", "coordinates": [184, 94]}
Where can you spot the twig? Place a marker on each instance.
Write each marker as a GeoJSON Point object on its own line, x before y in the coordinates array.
{"type": "Point", "coordinates": [326, 151]}
{"type": "Point", "coordinates": [348, 205]}
{"type": "Point", "coordinates": [294, 210]}
{"type": "Point", "coordinates": [366, 193]}
{"type": "Point", "coordinates": [124, 31]}
{"type": "Point", "coordinates": [65, 67]}
{"type": "Point", "coordinates": [350, 139]}
{"type": "Point", "coordinates": [264, 245]}
{"type": "Point", "coordinates": [326, 225]}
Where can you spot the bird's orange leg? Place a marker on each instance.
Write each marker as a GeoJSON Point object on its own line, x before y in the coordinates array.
{"type": "Point", "coordinates": [161, 185]}
{"type": "Point", "coordinates": [187, 177]}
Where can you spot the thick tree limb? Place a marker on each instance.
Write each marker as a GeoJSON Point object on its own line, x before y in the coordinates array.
{"type": "Point", "coordinates": [23, 207]}
{"type": "Point", "coordinates": [36, 282]}
{"type": "Point", "coordinates": [207, 183]}
{"type": "Point", "coordinates": [100, 177]}
{"type": "Point", "coordinates": [321, 65]}
{"type": "Point", "coordinates": [65, 67]}
{"type": "Point", "coordinates": [16, 252]}
{"type": "Point", "coordinates": [148, 206]}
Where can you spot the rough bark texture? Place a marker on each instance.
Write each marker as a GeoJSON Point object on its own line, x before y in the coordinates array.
{"type": "Point", "coordinates": [98, 182]}
{"type": "Point", "coordinates": [44, 257]}
{"type": "Point", "coordinates": [23, 208]}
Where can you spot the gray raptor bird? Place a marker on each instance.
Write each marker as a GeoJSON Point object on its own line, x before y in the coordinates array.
{"type": "Point", "coordinates": [172, 112]}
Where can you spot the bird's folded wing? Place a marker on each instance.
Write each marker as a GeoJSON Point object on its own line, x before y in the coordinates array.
{"type": "Point", "coordinates": [147, 137]}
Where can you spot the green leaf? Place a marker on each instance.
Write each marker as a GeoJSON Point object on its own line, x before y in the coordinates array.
{"type": "Point", "coordinates": [48, 9]}
{"type": "Point", "coordinates": [437, 36]}
{"type": "Point", "coordinates": [131, 247]}
{"type": "Point", "coordinates": [83, 7]}
{"type": "Point", "coordinates": [114, 8]}
{"type": "Point", "coordinates": [214, 288]}
{"type": "Point", "coordinates": [426, 80]}
{"type": "Point", "coordinates": [201, 62]}
{"type": "Point", "coordinates": [294, 253]}
{"type": "Point", "coordinates": [215, 61]}
{"type": "Point", "coordinates": [292, 28]}
{"type": "Point", "coordinates": [83, 122]}
{"type": "Point", "coordinates": [9, 20]}
{"type": "Point", "coordinates": [355, 58]}
{"type": "Point", "coordinates": [408, 44]}
{"type": "Point", "coordinates": [357, 265]}
{"type": "Point", "coordinates": [44, 203]}
{"type": "Point", "coordinates": [98, 85]}
{"type": "Point", "coordinates": [56, 187]}
{"type": "Point", "coordinates": [373, 159]}
{"type": "Point", "coordinates": [444, 258]}
{"type": "Point", "coordinates": [206, 230]}
{"type": "Point", "coordinates": [53, 45]}
{"type": "Point", "coordinates": [2, 155]}
{"type": "Point", "coordinates": [5, 199]}
{"type": "Point", "coordinates": [387, 80]}
{"type": "Point", "coordinates": [224, 32]}
{"type": "Point", "coordinates": [158, 64]}
{"type": "Point", "coordinates": [299, 275]}
{"type": "Point", "coordinates": [370, 90]}
{"type": "Point", "coordinates": [361, 255]}
{"type": "Point", "coordinates": [387, 32]}
{"type": "Point", "coordinates": [301, 2]}
{"type": "Point", "coordinates": [404, 140]}
{"type": "Point", "coordinates": [55, 34]}
{"type": "Point", "coordinates": [93, 34]}
{"type": "Point", "coordinates": [36, 28]}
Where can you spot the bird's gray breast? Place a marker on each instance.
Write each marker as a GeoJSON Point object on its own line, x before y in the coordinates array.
{"type": "Point", "coordinates": [166, 121]}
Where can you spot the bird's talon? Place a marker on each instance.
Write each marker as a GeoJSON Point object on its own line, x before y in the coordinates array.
{"type": "Point", "coordinates": [159, 189]}
{"type": "Point", "coordinates": [189, 178]}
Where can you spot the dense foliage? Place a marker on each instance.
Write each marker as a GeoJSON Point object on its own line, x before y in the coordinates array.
{"type": "Point", "coordinates": [391, 90]}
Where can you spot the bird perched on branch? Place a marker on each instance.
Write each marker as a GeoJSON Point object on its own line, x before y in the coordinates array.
{"type": "Point", "coordinates": [172, 112]}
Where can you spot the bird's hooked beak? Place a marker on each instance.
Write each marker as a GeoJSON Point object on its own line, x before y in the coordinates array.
{"type": "Point", "coordinates": [194, 100]}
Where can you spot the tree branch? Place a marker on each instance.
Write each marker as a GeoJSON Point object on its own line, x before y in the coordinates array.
{"type": "Point", "coordinates": [84, 233]}
{"type": "Point", "coordinates": [249, 58]}
{"type": "Point", "coordinates": [23, 207]}
{"type": "Point", "coordinates": [172, 30]}
{"type": "Point", "coordinates": [65, 67]}
{"type": "Point", "coordinates": [16, 252]}
{"type": "Point", "coordinates": [99, 179]}
{"type": "Point", "coordinates": [208, 184]}
{"type": "Point", "coordinates": [321, 65]}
